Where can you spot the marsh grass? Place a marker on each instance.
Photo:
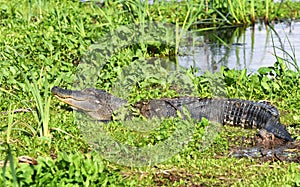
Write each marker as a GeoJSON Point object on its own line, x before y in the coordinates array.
{"type": "Point", "coordinates": [189, 20]}
{"type": "Point", "coordinates": [288, 58]}
{"type": "Point", "coordinates": [9, 160]}
{"type": "Point", "coordinates": [10, 123]}
{"type": "Point", "coordinates": [237, 9]}
{"type": "Point", "coordinates": [43, 104]}
{"type": "Point", "coordinates": [267, 12]}
{"type": "Point", "coordinates": [40, 91]}
{"type": "Point", "coordinates": [11, 118]}
{"type": "Point", "coordinates": [252, 14]}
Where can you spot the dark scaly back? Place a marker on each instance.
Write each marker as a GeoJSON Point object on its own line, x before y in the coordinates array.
{"type": "Point", "coordinates": [236, 112]}
{"type": "Point", "coordinates": [248, 114]}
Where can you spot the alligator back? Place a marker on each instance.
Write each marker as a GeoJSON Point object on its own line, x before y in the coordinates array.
{"type": "Point", "coordinates": [236, 112]}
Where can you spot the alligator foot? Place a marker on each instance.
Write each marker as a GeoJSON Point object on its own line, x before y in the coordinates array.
{"type": "Point", "coordinates": [267, 140]}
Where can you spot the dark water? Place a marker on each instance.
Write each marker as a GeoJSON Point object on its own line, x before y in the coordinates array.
{"type": "Point", "coordinates": [251, 48]}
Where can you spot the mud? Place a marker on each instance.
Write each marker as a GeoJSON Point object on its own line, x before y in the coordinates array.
{"type": "Point", "coordinates": [266, 147]}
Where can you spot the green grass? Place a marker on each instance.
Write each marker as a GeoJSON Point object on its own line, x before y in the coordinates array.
{"type": "Point", "coordinates": [41, 44]}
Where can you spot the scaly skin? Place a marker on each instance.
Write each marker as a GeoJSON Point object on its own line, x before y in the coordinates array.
{"type": "Point", "coordinates": [101, 105]}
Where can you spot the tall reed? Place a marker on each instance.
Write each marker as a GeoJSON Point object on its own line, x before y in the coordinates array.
{"type": "Point", "coordinates": [267, 12]}
{"type": "Point", "coordinates": [238, 11]}
{"type": "Point", "coordinates": [40, 91]}
{"type": "Point", "coordinates": [288, 59]}
{"type": "Point", "coordinates": [252, 14]}
{"type": "Point", "coordinates": [9, 160]}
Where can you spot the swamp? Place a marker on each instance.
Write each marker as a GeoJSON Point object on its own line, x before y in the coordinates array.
{"type": "Point", "coordinates": [142, 51]}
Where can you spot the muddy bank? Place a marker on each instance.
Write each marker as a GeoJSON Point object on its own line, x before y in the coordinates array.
{"type": "Point", "coordinates": [267, 148]}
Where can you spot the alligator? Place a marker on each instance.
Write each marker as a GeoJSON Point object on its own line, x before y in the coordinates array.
{"type": "Point", "coordinates": [102, 105]}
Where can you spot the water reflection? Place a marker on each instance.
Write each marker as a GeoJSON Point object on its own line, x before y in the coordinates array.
{"type": "Point", "coordinates": [239, 48]}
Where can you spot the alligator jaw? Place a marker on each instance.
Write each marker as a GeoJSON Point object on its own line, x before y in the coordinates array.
{"type": "Point", "coordinates": [77, 99]}
{"type": "Point", "coordinates": [98, 104]}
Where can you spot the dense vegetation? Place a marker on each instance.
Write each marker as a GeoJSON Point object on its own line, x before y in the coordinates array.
{"type": "Point", "coordinates": [41, 45]}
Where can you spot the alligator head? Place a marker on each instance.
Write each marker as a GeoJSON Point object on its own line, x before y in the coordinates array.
{"type": "Point", "coordinates": [98, 104]}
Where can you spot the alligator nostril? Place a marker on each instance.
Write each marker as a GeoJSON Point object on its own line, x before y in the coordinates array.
{"type": "Point", "coordinates": [54, 89]}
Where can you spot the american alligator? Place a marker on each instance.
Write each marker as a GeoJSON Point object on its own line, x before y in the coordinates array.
{"type": "Point", "coordinates": [101, 105]}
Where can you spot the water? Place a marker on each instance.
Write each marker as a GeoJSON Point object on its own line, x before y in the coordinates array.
{"type": "Point", "coordinates": [249, 49]}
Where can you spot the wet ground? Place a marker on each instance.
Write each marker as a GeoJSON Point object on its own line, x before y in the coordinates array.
{"type": "Point", "coordinates": [268, 148]}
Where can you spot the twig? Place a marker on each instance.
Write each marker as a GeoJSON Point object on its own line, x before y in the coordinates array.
{"type": "Point", "coordinates": [17, 111]}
